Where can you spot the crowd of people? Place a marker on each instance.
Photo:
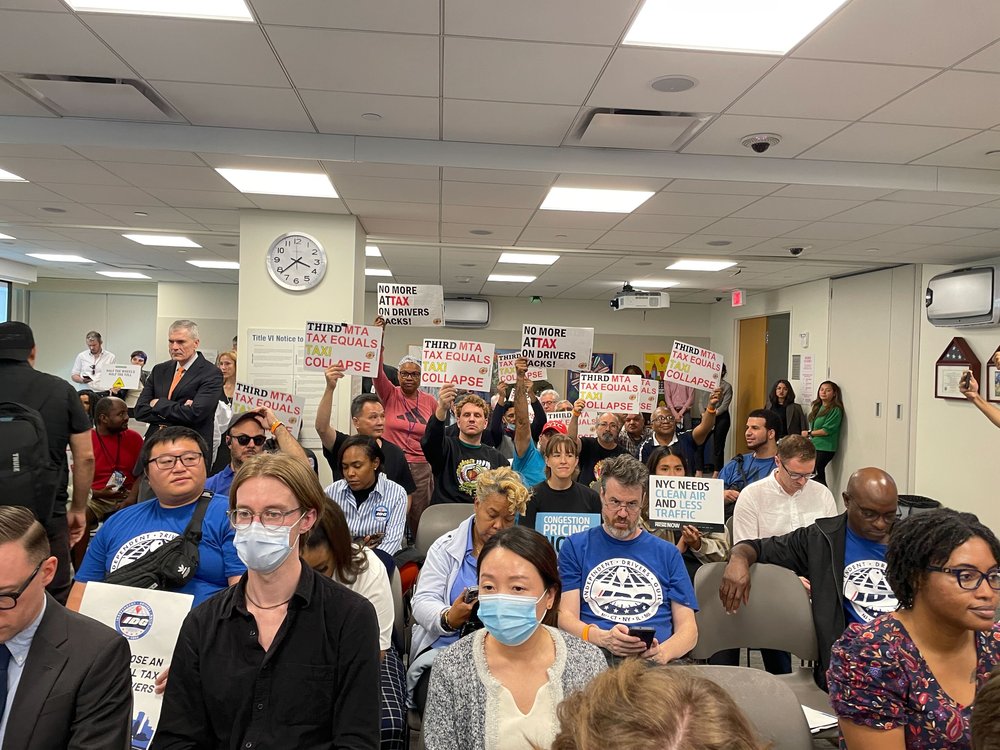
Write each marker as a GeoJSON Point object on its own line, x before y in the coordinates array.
{"type": "Point", "coordinates": [516, 640]}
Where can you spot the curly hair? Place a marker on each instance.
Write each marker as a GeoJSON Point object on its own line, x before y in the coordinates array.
{"type": "Point", "coordinates": [986, 715]}
{"type": "Point", "coordinates": [924, 539]}
{"type": "Point", "coordinates": [471, 398]}
{"type": "Point", "coordinates": [507, 482]}
{"type": "Point", "coordinates": [626, 470]}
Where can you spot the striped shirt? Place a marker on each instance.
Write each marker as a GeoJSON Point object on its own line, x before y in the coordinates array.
{"type": "Point", "coordinates": [383, 512]}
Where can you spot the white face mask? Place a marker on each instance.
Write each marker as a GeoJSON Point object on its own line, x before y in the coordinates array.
{"type": "Point", "coordinates": [263, 549]}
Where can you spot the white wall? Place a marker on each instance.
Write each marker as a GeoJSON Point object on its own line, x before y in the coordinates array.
{"type": "Point", "coordinates": [956, 446]}
{"type": "Point", "coordinates": [212, 306]}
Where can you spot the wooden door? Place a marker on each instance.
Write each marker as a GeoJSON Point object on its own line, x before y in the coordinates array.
{"type": "Point", "coordinates": [750, 387]}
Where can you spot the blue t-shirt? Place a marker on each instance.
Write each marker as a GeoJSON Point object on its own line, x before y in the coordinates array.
{"type": "Point", "coordinates": [220, 483]}
{"type": "Point", "coordinates": [132, 532]}
{"type": "Point", "coordinates": [468, 575]}
{"type": "Point", "coordinates": [867, 593]}
{"type": "Point", "coordinates": [632, 583]}
{"type": "Point", "coordinates": [531, 466]}
{"type": "Point", "coordinates": [684, 443]}
{"type": "Point", "coordinates": [755, 469]}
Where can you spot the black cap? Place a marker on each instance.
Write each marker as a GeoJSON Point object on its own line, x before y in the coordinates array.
{"type": "Point", "coordinates": [16, 341]}
{"type": "Point", "coordinates": [241, 417]}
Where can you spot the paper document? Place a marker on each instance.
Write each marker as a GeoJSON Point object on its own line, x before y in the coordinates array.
{"type": "Point", "coordinates": [818, 721]}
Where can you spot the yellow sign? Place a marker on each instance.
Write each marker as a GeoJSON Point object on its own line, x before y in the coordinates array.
{"type": "Point", "coordinates": [118, 384]}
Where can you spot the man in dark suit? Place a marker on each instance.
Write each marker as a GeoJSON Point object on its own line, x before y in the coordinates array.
{"type": "Point", "coordinates": [64, 678]}
{"type": "Point", "coordinates": [184, 390]}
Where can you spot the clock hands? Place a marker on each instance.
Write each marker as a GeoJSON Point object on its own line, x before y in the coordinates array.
{"type": "Point", "coordinates": [294, 262]}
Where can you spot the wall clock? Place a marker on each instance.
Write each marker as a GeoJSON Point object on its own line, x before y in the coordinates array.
{"type": "Point", "coordinates": [296, 261]}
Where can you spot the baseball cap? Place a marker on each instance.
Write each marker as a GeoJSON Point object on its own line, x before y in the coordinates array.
{"type": "Point", "coordinates": [16, 341]}
{"type": "Point", "coordinates": [242, 417]}
{"type": "Point", "coordinates": [559, 427]}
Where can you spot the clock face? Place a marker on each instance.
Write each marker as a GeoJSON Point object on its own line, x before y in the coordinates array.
{"type": "Point", "coordinates": [296, 261]}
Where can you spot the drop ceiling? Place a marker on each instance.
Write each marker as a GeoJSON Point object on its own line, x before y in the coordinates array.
{"type": "Point", "coordinates": [886, 121]}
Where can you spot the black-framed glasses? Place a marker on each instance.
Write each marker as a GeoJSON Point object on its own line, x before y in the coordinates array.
{"type": "Point", "coordinates": [241, 518]}
{"type": "Point", "coordinates": [168, 462]}
{"type": "Point", "coordinates": [795, 476]}
{"type": "Point", "coordinates": [245, 440]}
{"type": "Point", "coordinates": [663, 419]}
{"type": "Point", "coordinates": [405, 374]}
{"type": "Point", "coordinates": [9, 601]}
{"type": "Point", "coordinates": [971, 579]}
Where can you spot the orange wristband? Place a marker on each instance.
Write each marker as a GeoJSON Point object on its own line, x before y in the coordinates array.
{"type": "Point", "coordinates": [276, 425]}
{"type": "Point", "coordinates": [586, 632]}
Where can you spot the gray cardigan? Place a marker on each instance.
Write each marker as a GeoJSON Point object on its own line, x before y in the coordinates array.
{"type": "Point", "coordinates": [461, 710]}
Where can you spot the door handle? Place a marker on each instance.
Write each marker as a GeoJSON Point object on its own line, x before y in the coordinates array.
{"type": "Point", "coordinates": [878, 409]}
{"type": "Point", "coordinates": [899, 411]}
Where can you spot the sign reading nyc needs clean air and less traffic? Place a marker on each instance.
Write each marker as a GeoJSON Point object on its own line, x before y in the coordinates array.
{"type": "Point", "coordinates": [686, 501]}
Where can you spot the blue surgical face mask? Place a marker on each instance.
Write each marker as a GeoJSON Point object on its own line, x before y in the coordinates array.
{"type": "Point", "coordinates": [263, 549]}
{"type": "Point", "coordinates": [510, 619]}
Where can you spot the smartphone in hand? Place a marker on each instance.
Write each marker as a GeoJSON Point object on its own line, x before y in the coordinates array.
{"type": "Point", "coordinates": [966, 379]}
{"type": "Point", "coordinates": [471, 594]}
{"type": "Point", "coordinates": [644, 633]}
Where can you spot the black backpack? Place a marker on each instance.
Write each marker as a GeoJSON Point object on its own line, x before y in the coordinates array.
{"type": "Point", "coordinates": [28, 475]}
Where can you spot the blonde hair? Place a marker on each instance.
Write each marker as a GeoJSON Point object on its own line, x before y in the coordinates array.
{"type": "Point", "coordinates": [689, 713]}
{"type": "Point", "coordinates": [507, 482]}
{"type": "Point", "coordinates": [291, 472]}
{"type": "Point", "coordinates": [472, 398]}
{"type": "Point", "coordinates": [231, 354]}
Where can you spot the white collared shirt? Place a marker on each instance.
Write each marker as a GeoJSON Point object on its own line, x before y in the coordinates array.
{"type": "Point", "coordinates": [186, 365]}
{"type": "Point", "coordinates": [764, 509]}
{"type": "Point", "coordinates": [93, 366]}
{"type": "Point", "coordinates": [19, 646]}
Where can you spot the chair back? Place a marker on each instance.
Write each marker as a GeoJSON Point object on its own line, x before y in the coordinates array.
{"type": "Point", "coordinates": [778, 616]}
{"type": "Point", "coordinates": [766, 700]}
{"type": "Point", "coordinates": [437, 520]}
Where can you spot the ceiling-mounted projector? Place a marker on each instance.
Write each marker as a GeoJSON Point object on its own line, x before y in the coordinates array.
{"type": "Point", "coordinates": [637, 299]}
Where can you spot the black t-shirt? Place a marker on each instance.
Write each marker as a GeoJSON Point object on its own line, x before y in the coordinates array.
{"type": "Point", "coordinates": [591, 453]}
{"type": "Point", "coordinates": [576, 499]}
{"type": "Point", "coordinates": [60, 407]}
{"type": "Point", "coordinates": [395, 467]}
{"type": "Point", "coordinates": [456, 465]}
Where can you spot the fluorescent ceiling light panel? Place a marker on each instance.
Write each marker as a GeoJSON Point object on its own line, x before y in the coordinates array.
{"type": "Point", "coordinates": [378, 272]}
{"type": "Point", "coordinates": [54, 258]}
{"type": "Point", "coordinates": [6, 176]}
{"type": "Point", "coordinates": [514, 279]}
{"type": "Point", "coordinates": [372, 251]}
{"type": "Point", "coordinates": [161, 240]}
{"type": "Point", "coordinates": [531, 259]}
{"type": "Point", "coordinates": [701, 265]}
{"type": "Point", "coordinates": [123, 274]}
{"type": "Point", "coordinates": [653, 284]}
{"type": "Point", "coordinates": [222, 10]}
{"type": "Point", "coordinates": [765, 26]}
{"type": "Point", "coordinates": [594, 199]}
{"type": "Point", "coordinates": [267, 182]}
{"type": "Point", "coordinates": [5, 236]}
{"type": "Point", "coordinates": [228, 265]}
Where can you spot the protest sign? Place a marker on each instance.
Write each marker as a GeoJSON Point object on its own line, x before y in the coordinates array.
{"type": "Point", "coordinates": [411, 304]}
{"type": "Point", "coordinates": [649, 392]}
{"type": "Point", "coordinates": [610, 392]}
{"type": "Point", "coordinates": [683, 501]}
{"type": "Point", "coordinates": [693, 366]}
{"type": "Point", "coordinates": [557, 346]}
{"type": "Point", "coordinates": [353, 347]}
{"type": "Point", "coordinates": [557, 526]}
{"type": "Point", "coordinates": [507, 373]}
{"type": "Point", "coordinates": [120, 376]}
{"type": "Point", "coordinates": [467, 364]}
{"type": "Point", "coordinates": [150, 621]}
{"type": "Point", "coordinates": [286, 407]}
{"type": "Point", "coordinates": [586, 424]}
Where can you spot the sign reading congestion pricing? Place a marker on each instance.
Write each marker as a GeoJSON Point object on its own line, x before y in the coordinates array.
{"type": "Point", "coordinates": [693, 366]}
{"type": "Point", "coordinates": [286, 407]}
{"type": "Point", "coordinates": [353, 347]}
{"type": "Point", "coordinates": [467, 364]}
{"type": "Point", "coordinates": [508, 374]}
{"type": "Point", "coordinates": [411, 304]}
{"type": "Point", "coordinates": [557, 526]}
{"type": "Point", "coordinates": [557, 346]}
{"type": "Point", "coordinates": [684, 501]}
{"type": "Point", "coordinates": [610, 392]}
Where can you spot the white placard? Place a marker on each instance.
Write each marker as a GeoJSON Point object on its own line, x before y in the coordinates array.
{"type": "Point", "coordinates": [649, 392]}
{"type": "Point", "coordinates": [558, 347]}
{"type": "Point", "coordinates": [610, 392]}
{"type": "Point", "coordinates": [349, 345]}
{"type": "Point", "coordinates": [120, 376]}
{"type": "Point", "coordinates": [467, 364]}
{"type": "Point", "coordinates": [507, 373]}
{"type": "Point", "coordinates": [682, 501]}
{"type": "Point", "coordinates": [286, 407]}
{"type": "Point", "coordinates": [150, 621]}
{"type": "Point", "coordinates": [411, 304]}
{"type": "Point", "coordinates": [586, 423]}
{"type": "Point", "coordinates": [694, 367]}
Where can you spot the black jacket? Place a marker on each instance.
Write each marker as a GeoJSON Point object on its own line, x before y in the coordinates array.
{"type": "Point", "coordinates": [815, 552]}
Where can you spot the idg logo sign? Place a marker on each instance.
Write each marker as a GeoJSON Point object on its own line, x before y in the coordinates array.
{"type": "Point", "coordinates": [134, 620]}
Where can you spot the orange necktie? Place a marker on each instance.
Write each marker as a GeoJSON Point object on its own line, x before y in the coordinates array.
{"type": "Point", "coordinates": [177, 378]}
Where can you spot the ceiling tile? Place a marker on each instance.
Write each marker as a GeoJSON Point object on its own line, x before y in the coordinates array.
{"type": "Point", "coordinates": [393, 63]}
{"type": "Point", "coordinates": [664, 223]}
{"type": "Point", "coordinates": [833, 192]}
{"type": "Point", "coordinates": [214, 217]}
{"type": "Point", "coordinates": [139, 156]}
{"type": "Point", "coordinates": [968, 153]}
{"type": "Point", "coordinates": [986, 239]}
{"type": "Point", "coordinates": [831, 230]}
{"type": "Point", "coordinates": [575, 219]}
{"type": "Point", "coordinates": [29, 191]}
{"type": "Point", "coordinates": [400, 116]}
{"type": "Point", "coordinates": [388, 189]}
{"type": "Point", "coordinates": [885, 144]}
{"type": "Point", "coordinates": [956, 98]}
{"type": "Point", "coordinates": [694, 204]}
{"type": "Point", "coordinates": [340, 169]}
{"type": "Point", "coordinates": [412, 16]}
{"type": "Point", "coordinates": [988, 60]}
{"type": "Point", "coordinates": [503, 176]}
{"type": "Point", "coordinates": [892, 212]}
{"type": "Point", "coordinates": [723, 187]}
{"type": "Point", "coordinates": [463, 232]}
{"type": "Point", "coordinates": [542, 235]}
{"type": "Point", "coordinates": [576, 21]}
{"type": "Point", "coordinates": [810, 209]}
{"type": "Point", "coordinates": [515, 217]}
{"type": "Point", "coordinates": [251, 107]}
{"type": "Point", "coordinates": [181, 198]}
{"type": "Point", "coordinates": [981, 217]}
{"type": "Point", "coordinates": [387, 210]}
{"type": "Point", "coordinates": [112, 194]}
{"type": "Point", "coordinates": [779, 246]}
{"type": "Point", "coordinates": [926, 235]}
{"type": "Point", "coordinates": [505, 122]}
{"type": "Point", "coordinates": [946, 255]}
{"type": "Point", "coordinates": [296, 203]}
{"type": "Point", "coordinates": [75, 171]}
{"type": "Point", "coordinates": [507, 71]}
{"type": "Point", "coordinates": [156, 215]}
{"type": "Point", "coordinates": [755, 227]}
{"type": "Point", "coordinates": [169, 176]}
{"type": "Point", "coordinates": [721, 78]}
{"type": "Point", "coordinates": [13, 102]}
{"type": "Point", "coordinates": [724, 135]}
{"type": "Point", "coordinates": [698, 243]}
{"type": "Point", "coordinates": [480, 194]}
{"type": "Point", "coordinates": [939, 197]}
{"type": "Point", "coordinates": [403, 228]}
{"type": "Point", "coordinates": [656, 240]}
{"type": "Point", "coordinates": [69, 48]}
{"type": "Point", "coordinates": [848, 90]}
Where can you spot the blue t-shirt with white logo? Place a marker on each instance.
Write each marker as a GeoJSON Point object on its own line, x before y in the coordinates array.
{"type": "Point", "coordinates": [632, 583]}
{"type": "Point", "coordinates": [132, 532]}
{"type": "Point", "coordinates": [867, 593]}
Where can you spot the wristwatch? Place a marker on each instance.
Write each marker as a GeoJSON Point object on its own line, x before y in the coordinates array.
{"type": "Point", "coordinates": [445, 625]}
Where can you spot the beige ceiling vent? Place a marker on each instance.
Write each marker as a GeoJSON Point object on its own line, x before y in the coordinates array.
{"type": "Point", "coordinates": [638, 129]}
{"type": "Point", "coordinates": [95, 97]}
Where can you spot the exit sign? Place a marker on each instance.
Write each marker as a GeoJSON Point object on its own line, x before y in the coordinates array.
{"type": "Point", "coordinates": [739, 297]}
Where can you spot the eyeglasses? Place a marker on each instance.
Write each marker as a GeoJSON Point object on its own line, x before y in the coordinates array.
{"type": "Point", "coordinates": [971, 579]}
{"type": "Point", "coordinates": [168, 462]}
{"type": "Point", "coordinates": [241, 518]}
{"type": "Point", "coordinates": [795, 476]}
{"type": "Point", "coordinates": [663, 419]}
{"type": "Point", "coordinates": [887, 518]}
{"type": "Point", "coordinates": [617, 505]}
{"type": "Point", "coordinates": [9, 601]}
{"type": "Point", "coordinates": [412, 375]}
{"type": "Point", "coordinates": [245, 440]}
